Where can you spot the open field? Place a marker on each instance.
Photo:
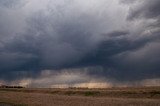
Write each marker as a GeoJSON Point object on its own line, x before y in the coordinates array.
{"type": "Point", "coordinates": [141, 96]}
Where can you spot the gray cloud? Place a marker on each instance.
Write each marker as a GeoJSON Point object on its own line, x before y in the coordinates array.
{"type": "Point", "coordinates": [128, 1]}
{"type": "Point", "coordinates": [120, 42]}
{"type": "Point", "coordinates": [146, 9]}
{"type": "Point", "coordinates": [12, 4]}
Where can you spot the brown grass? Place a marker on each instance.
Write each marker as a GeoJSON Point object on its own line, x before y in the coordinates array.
{"type": "Point", "coordinates": [144, 96]}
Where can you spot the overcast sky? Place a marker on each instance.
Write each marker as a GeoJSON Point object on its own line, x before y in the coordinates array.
{"type": "Point", "coordinates": [68, 42]}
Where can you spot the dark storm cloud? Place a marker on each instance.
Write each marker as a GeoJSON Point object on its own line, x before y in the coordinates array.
{"type": "Point", "coordinates": [57, 35]}
{"type": "Point", "coordinates": [127, 60]}
{"type": "Point", "coordinates": [117, 33]}
{"type": "Point", "coordinates": [46, 46]}
{"type": "Point", "coordinates": [143, 62]}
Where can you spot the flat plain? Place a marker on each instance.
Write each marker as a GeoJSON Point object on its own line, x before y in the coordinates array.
{"type": "Point", "coordinates": [123, 96]}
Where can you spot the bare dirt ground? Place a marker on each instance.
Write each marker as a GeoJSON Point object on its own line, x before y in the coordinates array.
{"type": "Point", "coordinates": [82, 97]}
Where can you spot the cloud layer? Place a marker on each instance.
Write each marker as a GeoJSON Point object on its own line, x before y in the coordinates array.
{"type": "Point", "coordinates": [117, 40]}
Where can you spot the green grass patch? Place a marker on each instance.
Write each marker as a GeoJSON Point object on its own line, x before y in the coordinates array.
{"type": "Point", "coordinates": [91, 93]}
{"type": "Point", "coordinates": [12, 104]}
{"type": "Point", "coordinates": [70, 93]}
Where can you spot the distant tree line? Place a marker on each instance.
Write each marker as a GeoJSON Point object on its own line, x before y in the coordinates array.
{"type": "Point", "coordinates": [78, 87]}
{"type": "Point", "coordinates": [5, 86]}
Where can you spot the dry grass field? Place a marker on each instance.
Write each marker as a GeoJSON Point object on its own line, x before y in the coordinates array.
{"type": "Point", "coordinates": [140, 96]}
